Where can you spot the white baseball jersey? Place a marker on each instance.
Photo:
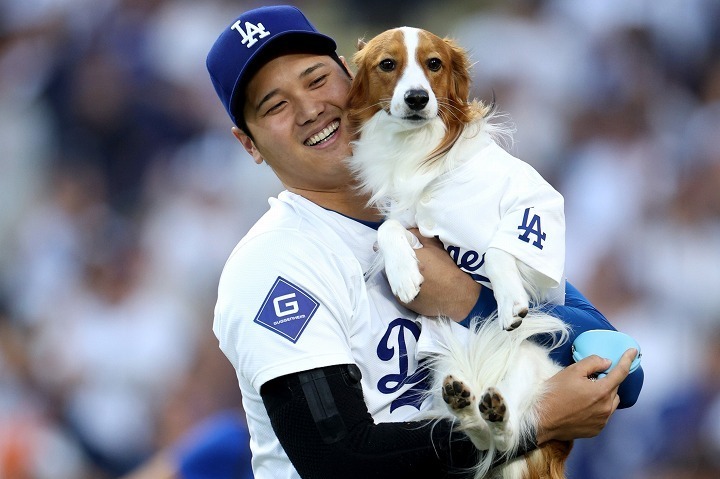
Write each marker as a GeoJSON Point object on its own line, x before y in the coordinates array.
{"type": "Point", "coordinates": [293, 297]}
{"type": "Point", "coordinates": [493, 199]}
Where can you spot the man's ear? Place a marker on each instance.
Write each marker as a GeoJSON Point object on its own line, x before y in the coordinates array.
{"type": "Point", "coordinates": [347, 67]}
{"type": "Point", "coordinates": [248, 144]}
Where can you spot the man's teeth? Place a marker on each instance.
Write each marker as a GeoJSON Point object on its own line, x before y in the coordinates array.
{"type": "Point", "coordinates": [324, 134]}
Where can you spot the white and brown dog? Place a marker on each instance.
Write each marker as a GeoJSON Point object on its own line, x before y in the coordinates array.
{"type": "Point", "coordinates": [428, 158]}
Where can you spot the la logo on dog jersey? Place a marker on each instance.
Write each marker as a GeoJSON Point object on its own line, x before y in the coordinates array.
{"type": "Point", "coordinates": [248, 34]}
{"type": "Point", "coordinates": [532, 227]}
{"type": "Point", "coordinates": [286, 310]}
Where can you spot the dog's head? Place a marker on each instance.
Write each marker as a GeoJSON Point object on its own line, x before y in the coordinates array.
{"type": "Point", "coordinates": [413, 76]}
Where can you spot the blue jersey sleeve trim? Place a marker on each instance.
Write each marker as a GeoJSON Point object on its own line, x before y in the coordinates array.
{"type": "Point", "coordinates": [581, 316]}
{"type": "Point", "coordinates": [484, 306]}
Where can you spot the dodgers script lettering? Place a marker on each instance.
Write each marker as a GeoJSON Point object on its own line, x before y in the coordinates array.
{"type": "Point", "coordinates": [390, 383]}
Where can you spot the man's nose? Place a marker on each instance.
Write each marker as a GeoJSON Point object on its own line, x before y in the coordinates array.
{"type": "Point", "coordinates": [309, 109]}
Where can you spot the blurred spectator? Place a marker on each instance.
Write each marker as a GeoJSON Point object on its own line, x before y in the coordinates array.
{"type": "Point", "coordinates": [217, 448]}
{"type": "Point", "coordinates": [112, 110]}
{"type": "Point", "coordinates": [33, 444]}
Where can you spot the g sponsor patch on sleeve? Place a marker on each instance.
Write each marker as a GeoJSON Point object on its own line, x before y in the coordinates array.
{"type": "Point", "coordinates": [287, 310]}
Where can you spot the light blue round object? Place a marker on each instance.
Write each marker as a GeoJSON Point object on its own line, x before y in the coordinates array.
{"type": "Point", "coordinates": [606, 344]}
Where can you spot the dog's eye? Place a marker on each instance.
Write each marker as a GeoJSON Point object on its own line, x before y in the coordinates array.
{"type": "Point", "coordinates": [387, 65]}
{"type": "Point", "coordinates": [434, 64]}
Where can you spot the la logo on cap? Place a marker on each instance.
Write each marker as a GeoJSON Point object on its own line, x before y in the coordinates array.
{"type": "Point", "coordinates": [248, 35]}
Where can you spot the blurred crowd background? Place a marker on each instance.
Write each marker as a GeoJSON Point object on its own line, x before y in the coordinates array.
{"type": "Point", "coordinates": [122, 192]}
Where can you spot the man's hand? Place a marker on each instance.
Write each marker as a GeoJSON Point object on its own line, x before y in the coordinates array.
{"type": "Point", "coordinates": [446, 289]}
{"type": "Point", "coordinates": [576, 406]}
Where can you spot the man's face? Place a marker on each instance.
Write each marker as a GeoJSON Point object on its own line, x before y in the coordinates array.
{"type": "Point", "coordinates": [294, 110]}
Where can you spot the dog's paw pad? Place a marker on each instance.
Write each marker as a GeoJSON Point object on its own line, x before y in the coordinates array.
{"type": "Point", "coordinates": [456, 394]}
{"type": "Point", "coordinates": [492, 406]}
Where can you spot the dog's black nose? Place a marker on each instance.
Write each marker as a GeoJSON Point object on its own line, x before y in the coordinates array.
{"type": "Point", "coordinates": [416, 99]}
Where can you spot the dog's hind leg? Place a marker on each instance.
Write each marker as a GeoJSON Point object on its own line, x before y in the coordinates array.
{"type": "Point", "coordinates": [462, 403]}
{"type": "Point", "coordinates": [494, 410]}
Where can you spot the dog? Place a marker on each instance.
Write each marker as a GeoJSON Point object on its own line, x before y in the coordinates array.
{"type": "Point", "coordinates": [427, 156]}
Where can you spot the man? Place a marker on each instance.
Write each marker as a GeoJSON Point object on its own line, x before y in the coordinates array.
{"type": "Point", "coordinates": [326, 358]}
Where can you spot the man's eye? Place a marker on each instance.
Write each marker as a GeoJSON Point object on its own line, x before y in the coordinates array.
{"type": "Point", "coordinates": [318, 81]}
{"type": "Point", "coordinates": [434, 64]}
{"type": "Point", "coordinates": [387, 65]}
{"type": "Point", "coordinates": [275, 107]}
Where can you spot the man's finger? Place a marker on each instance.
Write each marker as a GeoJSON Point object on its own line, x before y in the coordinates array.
{"type": "Point", "coordinates": [616, 403]}
{"type": "Point", "coordinates": [592, 365]}
{"type": "Point", "coordinates": [622, 368]}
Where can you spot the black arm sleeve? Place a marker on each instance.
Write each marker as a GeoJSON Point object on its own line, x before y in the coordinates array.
{"type": "Point", "coordinates": [322, 422]}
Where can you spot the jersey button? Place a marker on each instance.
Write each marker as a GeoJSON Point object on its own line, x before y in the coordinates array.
{"type": "Point", "coordinates": [426, 199]}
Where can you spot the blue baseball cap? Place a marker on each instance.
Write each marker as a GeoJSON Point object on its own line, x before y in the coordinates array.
{"type": "Point", "coordinates": [254, 38]}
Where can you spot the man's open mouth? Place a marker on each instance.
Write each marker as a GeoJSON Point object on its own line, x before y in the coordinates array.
{"type": "Point", "coordinates": [324, 135]}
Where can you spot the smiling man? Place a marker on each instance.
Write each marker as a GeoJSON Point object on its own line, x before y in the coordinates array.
{"type": "Point", "coordinates": [325, 357]}
{"type": "Point", "coordinates": [294, 109]}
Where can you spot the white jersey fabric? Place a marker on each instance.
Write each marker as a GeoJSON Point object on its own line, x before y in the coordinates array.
{"type": "Point", "coordinates": [492, 199]}
{"type": "Point", "coordinates": [293, 297]}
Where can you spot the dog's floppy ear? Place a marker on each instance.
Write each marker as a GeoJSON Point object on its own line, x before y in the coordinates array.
{"type": "Point", "coordinates": [358, 94]}
{"type": "Point", "coordinates": [460, 87]}
{"type": "Point", "coordinates": [457, 96]}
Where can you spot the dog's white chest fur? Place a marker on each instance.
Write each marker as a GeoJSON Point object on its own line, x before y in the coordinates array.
{"type": "Point", "coordinates": [388, 159]}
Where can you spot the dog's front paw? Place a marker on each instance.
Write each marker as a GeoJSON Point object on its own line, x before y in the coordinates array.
{"type": "Point", "coordinates": [512, 298]}
{"type": "Point", "coordinates": [401, 265]}
{"type": "Point", "coordinates": [404, 275]}
{"type": "Point", "coordinates": [512, 309]}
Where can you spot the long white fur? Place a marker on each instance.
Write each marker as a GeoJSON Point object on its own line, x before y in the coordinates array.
{"type": "Point", "coordinates": [509, 362]}
{"type": "Point", "coordinates": [388, 157]}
